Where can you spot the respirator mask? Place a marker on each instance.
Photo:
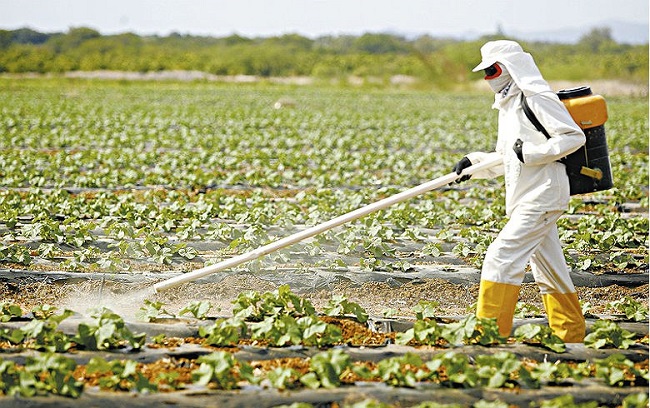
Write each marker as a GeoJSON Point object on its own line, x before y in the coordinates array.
{"type": "Point", "coordinates": [497, 77]}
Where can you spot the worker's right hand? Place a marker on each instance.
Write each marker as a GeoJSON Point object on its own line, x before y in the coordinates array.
{"type": "Point", "coordinates": [460, 166]}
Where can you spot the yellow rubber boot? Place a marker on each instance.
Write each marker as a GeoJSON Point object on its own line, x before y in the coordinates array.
{"type": "Point", "coordinates": [565, 316]}
{"type": "Point", "coordinates": [498, 300]}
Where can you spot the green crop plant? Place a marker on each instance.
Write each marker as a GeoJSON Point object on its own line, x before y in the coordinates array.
{"type": "Point", "coordinates": [152, 311]}
{"type": "Point", "coordinates": [221, 369]}
{"type": "Point", "coordinates": [638, 400]}
{"type": "Point", "coordinates": [339, 305]}
{"type": "Point", "coordinates": [503, 370]}
{"type": "Point", "coordinates": [606, 333]}
{"type": "Point", "coordinates": [426, 332]}
{"type": "Point", "coordinates": [43, 330]}
{"type": "Point", "coordinates": [453, 370]}
{"type": "Point", "coordinates": [540, 334]}
{"type": "Point", "coordinates": [119, 375]}
{"type": "Point", "coordinates": [426, 309]}
{"type": "Point", "coordinates": [326, 369]}
{"type": "Point", "coordinates": [51, 373]}
{"type": "Point", "coordinates": [43, 228]}
{"type": "Point", "coordinates": [559, 372]}
{"type": "Point", "coordinates": [316, 332]}
{"type": "Point", "coordinates": [41, 375]}
{"type": "Point", "coordinates": [13, 336]}
{"type": "Point", "coordinates": [469, 330]}
{"type": "Point", "coordinates": [15, 253]}
{"type": "Point", "coordinates": [224, 332]}
{"type": "Point", "coordinates": [282, 378]}
{"type": "Point", "coordinates": [403, 371]}
{"type": "Point", "coordinates": [609, 233]}
{"type": "Point", "coordinates": [198, 309]}
{"type": "Point", "coordinates": [10, 378]}
{"type": "Point", "coordinates": [523, 310]}
{"type": "Point", "coordinates": [631, 308]}
{"type": "Point", "coordinates": [281, 330]}
{"type": "Point", "coordinates": [278, 330]}
{"type": "Point", "coordinates": [564, 401]}
{"type": "Point", "coordinates": [616, 370]}
{"type": "Point", "coordinates": [54, 375]}
{"type": "Point", "coordinates": [9, 311]}
{"type": "Point", "coordinates": [252, 305]}
{"type": "Point", "coordinates": [107, 331]}
{"type": "Point", "coordinates": [472, 330]}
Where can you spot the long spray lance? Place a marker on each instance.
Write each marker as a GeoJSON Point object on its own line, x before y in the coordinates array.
{"type": "Point", "coordinates": [317, 229]}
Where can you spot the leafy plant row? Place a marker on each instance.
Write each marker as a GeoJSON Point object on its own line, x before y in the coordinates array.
{"type": "Point", "coordinates": [639, 400]}
{"type": "Point", "coordinates": [282, 318]}
{"type": "Point", "coordinates": [108, 331]}
{"type": "Point", "coordinates": [56, 374]}
{"type": "Point", "coordinates": [161, 227]}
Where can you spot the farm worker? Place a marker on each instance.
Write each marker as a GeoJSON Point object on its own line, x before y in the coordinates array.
{"type": "Point", "coordinates": [537, 193]}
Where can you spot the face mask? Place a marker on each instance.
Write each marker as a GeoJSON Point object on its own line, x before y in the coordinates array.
{"type": "Point", "coordinates": [497, 77]}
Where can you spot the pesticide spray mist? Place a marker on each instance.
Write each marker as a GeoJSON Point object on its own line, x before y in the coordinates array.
{"type": "Point", "coordinates": [126, 303]}
{"type": "Point", "coordinates": [120, 298]}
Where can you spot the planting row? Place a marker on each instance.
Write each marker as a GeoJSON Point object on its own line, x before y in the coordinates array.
{"type": "Point", "coordinates": [281, 318]}
{"type": "Point", "coordinates": [126, 231]}
{"type": "Point", "coordinates": [57, 374]}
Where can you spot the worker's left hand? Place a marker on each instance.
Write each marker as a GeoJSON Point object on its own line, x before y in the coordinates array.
{"type": "Point", "coordinates": [518, 148]}
{"type": "Point", "coordinates": [460, 166]}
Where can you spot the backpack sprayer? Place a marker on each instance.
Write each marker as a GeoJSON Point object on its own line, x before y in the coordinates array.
{"type": "Point", "coordinates": [317, 229]}
{"type": "Point", "coordinates": [588, 168]}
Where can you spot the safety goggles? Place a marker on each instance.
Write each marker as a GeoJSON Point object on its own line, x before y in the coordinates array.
{"type": "Point", "coordinates": [493, 71]}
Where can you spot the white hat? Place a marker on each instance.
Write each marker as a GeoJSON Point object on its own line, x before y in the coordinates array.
{"type": "Point", "coordinates": [496, 51]}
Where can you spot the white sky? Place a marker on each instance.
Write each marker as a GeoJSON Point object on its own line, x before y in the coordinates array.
{"type": "Point", "coordinates": [316, 17]}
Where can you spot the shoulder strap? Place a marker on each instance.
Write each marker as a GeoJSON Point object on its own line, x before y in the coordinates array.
{"type": "Point", "coordinates": [531, 117]}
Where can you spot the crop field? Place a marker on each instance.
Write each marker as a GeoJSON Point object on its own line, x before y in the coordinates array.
{"type": "Point", "coordinates": [108, 187]}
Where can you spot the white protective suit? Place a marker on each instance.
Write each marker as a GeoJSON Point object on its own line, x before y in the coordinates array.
{"type": "Point", "coordinates": [537, 193]}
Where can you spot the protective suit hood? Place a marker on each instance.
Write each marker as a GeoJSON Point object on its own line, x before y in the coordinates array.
{"type": "Point", "coordinates": [519, 64]}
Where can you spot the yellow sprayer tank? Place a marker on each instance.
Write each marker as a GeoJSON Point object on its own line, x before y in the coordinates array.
{"type": "Point", "coordinates": [588, 168]}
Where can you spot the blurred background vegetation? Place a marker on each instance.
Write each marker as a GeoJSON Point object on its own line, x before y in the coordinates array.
{"type": "Point", "coordinates": [434, 61]}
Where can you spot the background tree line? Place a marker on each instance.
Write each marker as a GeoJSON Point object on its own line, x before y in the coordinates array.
{"type": "Point", "coordinates": [433, 60]}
